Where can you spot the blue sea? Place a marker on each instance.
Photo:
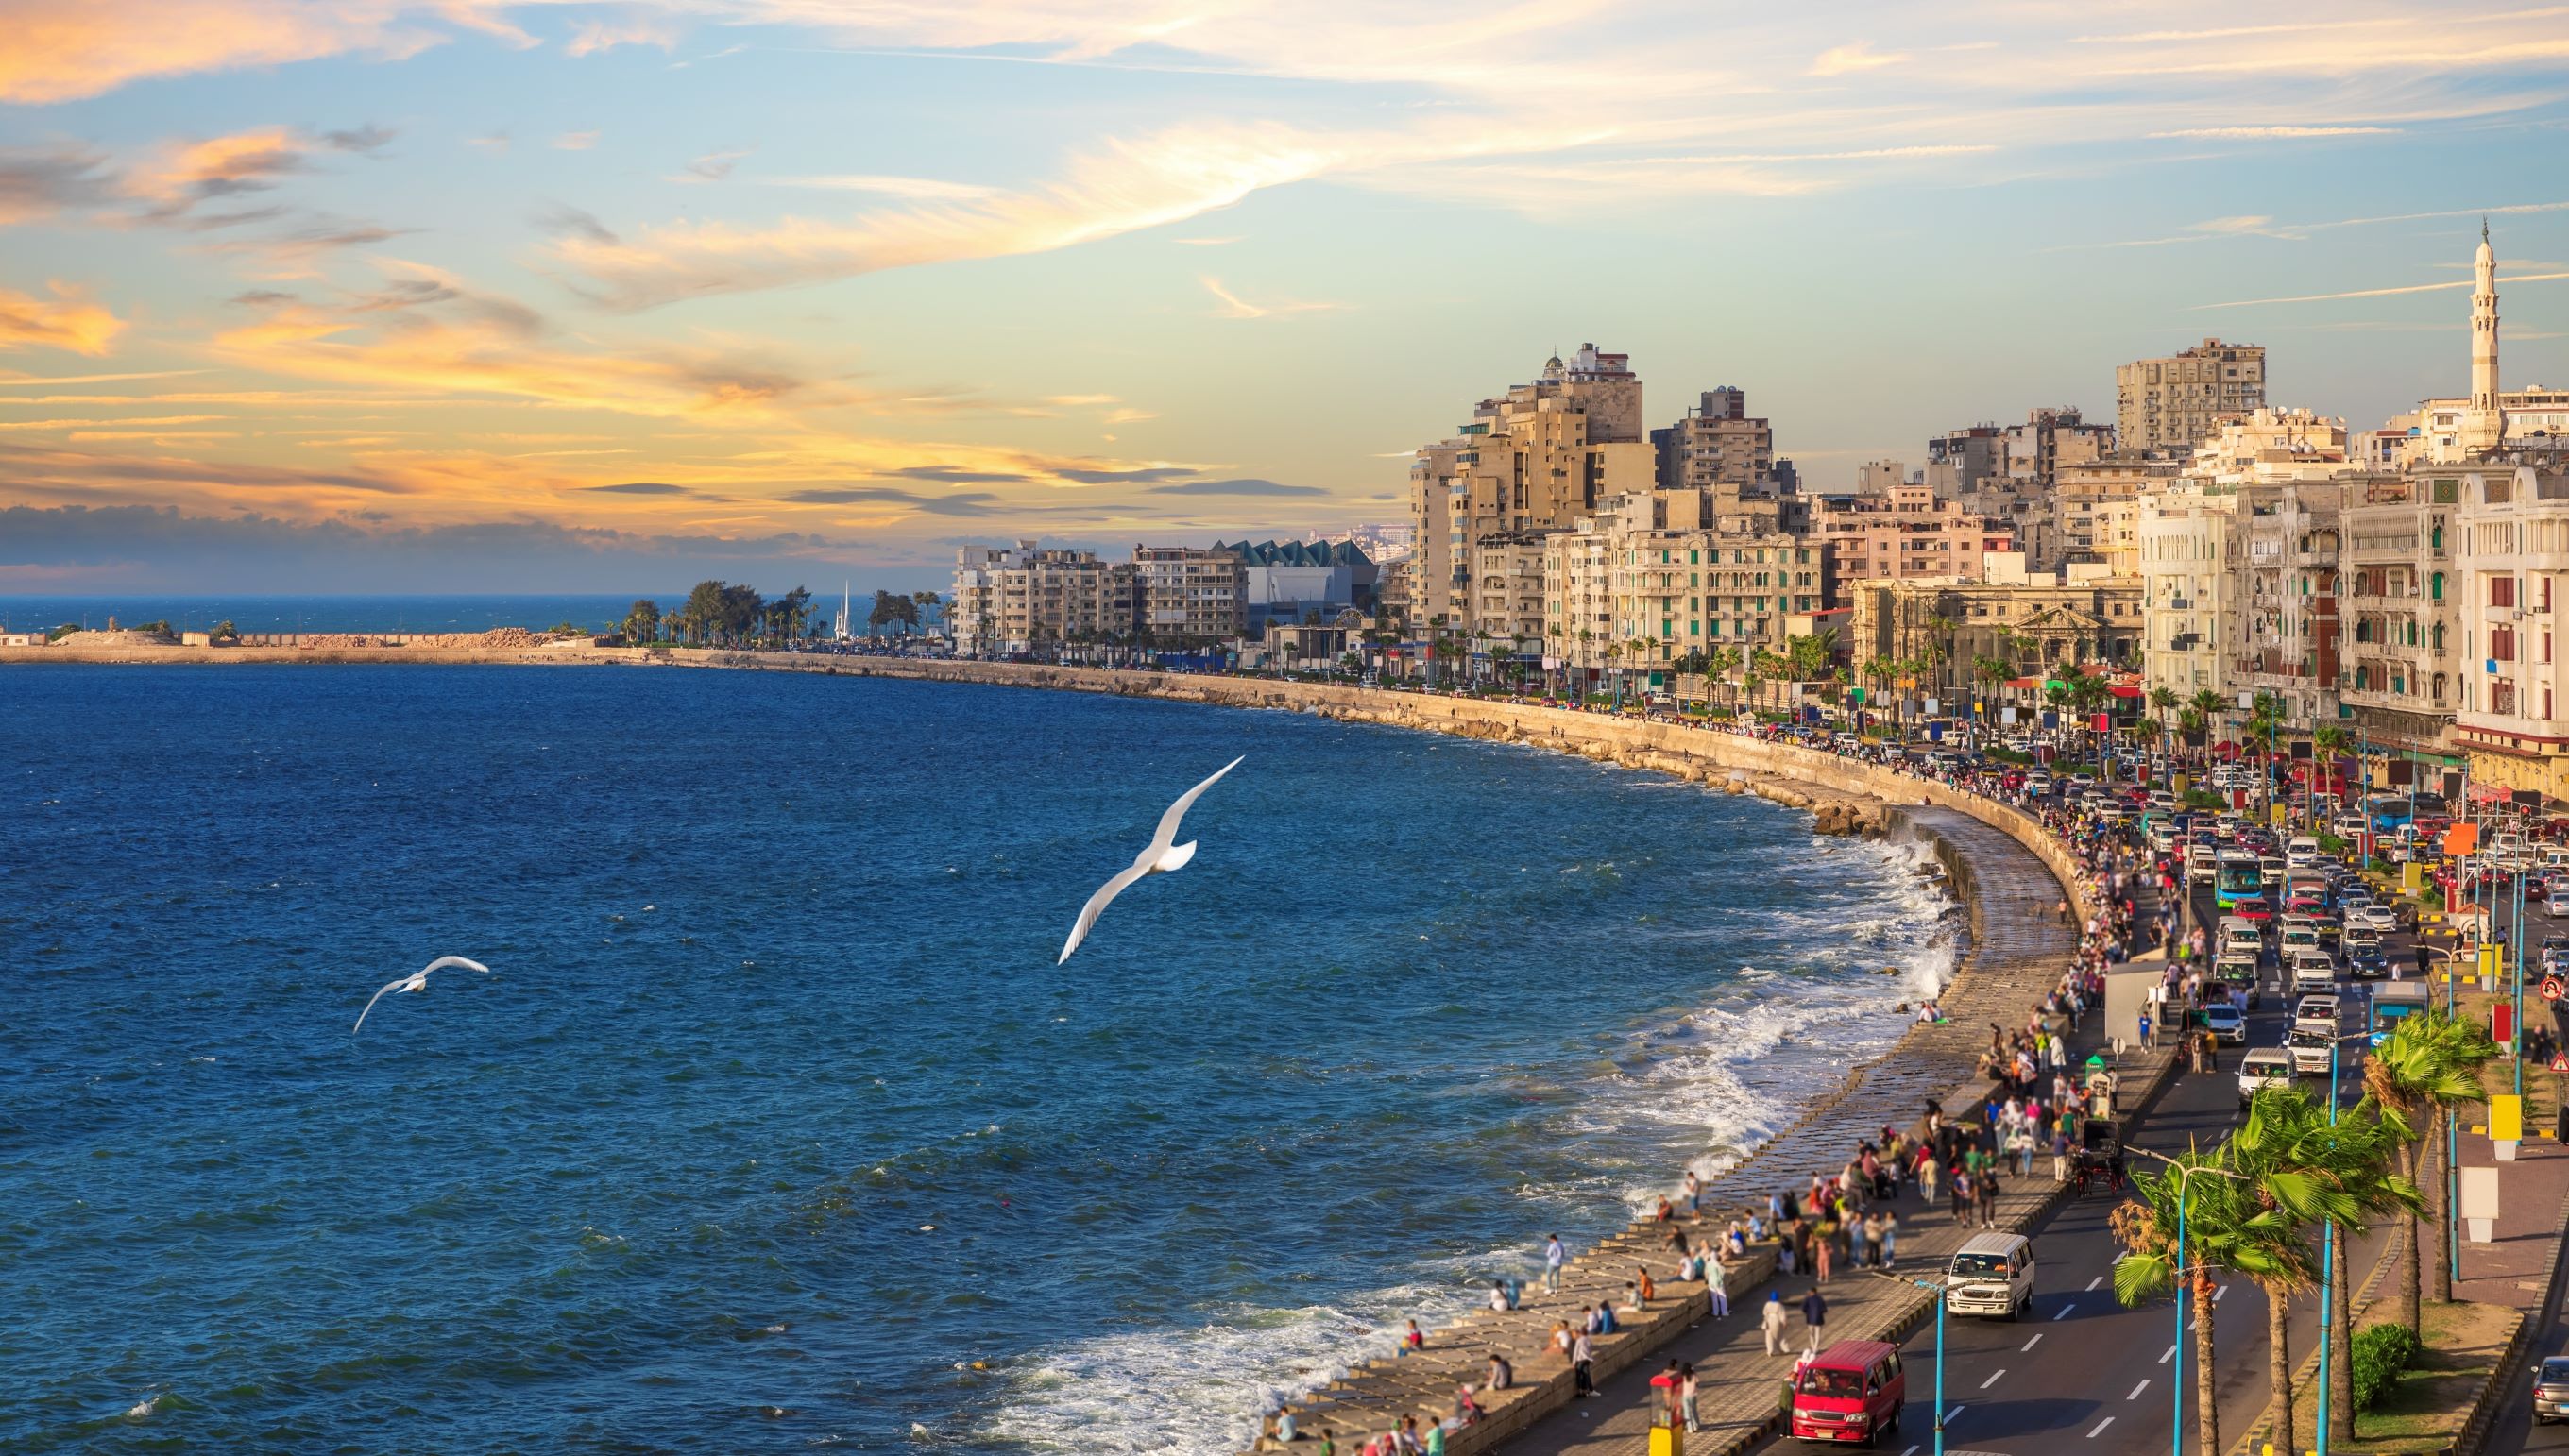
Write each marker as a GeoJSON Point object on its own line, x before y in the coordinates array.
{"type": "Point", "coordinates": [390, 615]}
{"type": "Point", "coordinates": [775, 1124]}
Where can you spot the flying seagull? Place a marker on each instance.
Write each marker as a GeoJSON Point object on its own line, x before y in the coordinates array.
{"type": "Point", "coordinates": [1162, 855]}
{"type": "Point", "coordinates": [415, 981]}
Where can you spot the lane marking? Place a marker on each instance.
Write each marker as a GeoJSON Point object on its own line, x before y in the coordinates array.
{"type": "Point", "coordinates": [2029, 1344]}
{"type": "Point", "coordinates": [1911, 1451]}
{"type": "Point", "coordinates": [2218, 1290]}
{"type": "Point", "coordinates": [1994, 1379]}
{"type": "Point", "coordinates": [1949, 1415]}
{"type": "Point", "coordinates": [2092, 1283]}
{"type": "Point", "coordinates": [2171, 1351]}
{"type": "Point", "coordinates": [2091, 1435]}
{"type": "Point", "coordinates": [2137, 1389]}
{"type": "Point", "coordinates": [2065, 1313]}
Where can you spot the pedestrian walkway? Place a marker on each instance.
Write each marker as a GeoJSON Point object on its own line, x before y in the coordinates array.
{"type": "Point", "coordinates": [2020, 947]}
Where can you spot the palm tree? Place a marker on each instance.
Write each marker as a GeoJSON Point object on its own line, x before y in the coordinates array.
{"type": "Point", "coordinates": [2161, 700]}
{"type": "Point", "coordinates": [2225, 1227]}
{"type": "Point", "coordinates": [2428, 1065]}
{"type": "Point", "coordinates": [1991, 673]}
{"type": "Point", "coordinates": [1720, 663]}
{"type": "Point", "coordinates": [2311, 1170]}
{"type": "Point", "coordinates": [2332, 744]}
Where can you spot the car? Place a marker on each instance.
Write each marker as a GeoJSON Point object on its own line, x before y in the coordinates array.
{"type": "Point", "coordinates": [2349, 826]}
{"type": "Point", "coordinates": [2372, 915]}
{"type": "Point", "coordinates": [2311, 1050]}
{"type": "Point", "coordinates": [2365, 958]}
{"type": "Point", "coordinates": [2267, 1066]}
{"type": "Point", "coordinates": [2297, 933]}
{"type": "Point", "coordinates": [2313, 971]}
{"type": "Point", "coordinates": [1850, 1392]}
{"type": "Point", "coordinates": [2551, 1390]}
{"type": "Point", "coordinates": [1991, 1274]}
{"type": "Point", "coordinates": [2239, 973]}
{"type": "Point", "coordinates": [2225, 1022]}
{"type": "Point", "coordinates": [2256, 907]}
{"type": "Point", "coordinates": [2302, 852]}
{"type": "Point", "coordinates": [2315, 1014]}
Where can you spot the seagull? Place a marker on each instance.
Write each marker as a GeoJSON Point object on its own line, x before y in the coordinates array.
{"type": "Point", "coordinates": [1162, 855]}
{"type": "Point", "coordinates": [417, 981]}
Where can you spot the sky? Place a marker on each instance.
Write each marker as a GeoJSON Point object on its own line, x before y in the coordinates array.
{"type": "Point", "coordinates": [486, 295]}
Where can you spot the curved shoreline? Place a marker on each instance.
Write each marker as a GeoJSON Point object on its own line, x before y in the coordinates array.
{"type": "Point", "coordinates": [1975, 838]}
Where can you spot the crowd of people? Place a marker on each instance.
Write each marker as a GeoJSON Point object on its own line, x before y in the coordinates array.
{"type": "Point", "coordinates": [2031, 1123]}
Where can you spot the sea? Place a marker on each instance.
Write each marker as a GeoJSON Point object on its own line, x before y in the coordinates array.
{"type": "Point", "coordinates": [774, 1124]}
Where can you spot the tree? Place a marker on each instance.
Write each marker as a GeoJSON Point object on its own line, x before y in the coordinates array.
{"type": "Point", "coordinates": [643, 621]}
{"type": "Point", "coordinates": [2162, 701]}
{"type": "Point", "coordinates": [2313, 1171]}
{"type": "Point", "coordinates": [1720, 663]}
{"type": "Point", "coordinates": [1991, 673]}
{"type": "Point", "coordinates": [2225, 1227]}
{"type": "Point", "coordinates": [2428, 1065]}
{"type": "Point", "coordinates": [224, 631]}
{"type": "Point", "coordinates": [2332, 744]}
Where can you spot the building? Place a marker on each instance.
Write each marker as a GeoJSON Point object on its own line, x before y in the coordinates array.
{"type": "Point", "coordinates": [1507, 603]}
{"type": "Point", "coordinates": [1975, 637]}
{"type": "Point", "coordinates": [1905, 534]}
{"type": "Point", "coordinates": [1022, 597]}
{"type": "Point", "coordinates": [1191, 594]}
{"type": "Point", "coordinates": [1653, 578]}
{"type": "Point", "coordinates": [2096, 511]}
{"type": "Point", "coordinates": [2283, 637]}
{"type": "Point", "coordinates": [1291, 580]}
{"type": "Point", "coordinates": [2171, 404]}
{"type": "Point", "coordinates": [2402, 639]}
{"type": "Point", "coordinates": [2513, 713]}
{"type": "Point", "coordinates": [2184, 539]}
{"type": "Point", "coordinates": [1716, 444]}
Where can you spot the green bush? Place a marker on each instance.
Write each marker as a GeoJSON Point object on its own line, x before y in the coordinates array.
{"type": "Point", "coordinates": [2381, 1353]}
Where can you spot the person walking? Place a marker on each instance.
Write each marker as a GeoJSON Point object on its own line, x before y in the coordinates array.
{"type": "Point", "coordinates": [1554, 1256]}
{"type": "Point", "coordinates": [1716, 1281]}
{"type": "Point", "coordinates": [1771, 1323]}
{"type": "Point", "coordinates": [1815, 1318]}
{"type": "Point", "coordinates": [1686, 1393]}
{"type": "Point", "coordinates": [1583, 1357]}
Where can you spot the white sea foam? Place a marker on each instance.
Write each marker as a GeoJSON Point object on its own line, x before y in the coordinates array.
{"type": "Point", "coordinates": [1730, 1073]}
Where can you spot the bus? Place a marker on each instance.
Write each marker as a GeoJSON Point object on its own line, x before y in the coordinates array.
{"type": "Point", "coordinates": [2238, 877]}
{"type": "Point", "coordinates": [2389, 813]}
{"type": "Point", "coordinates": [2391, 1001]}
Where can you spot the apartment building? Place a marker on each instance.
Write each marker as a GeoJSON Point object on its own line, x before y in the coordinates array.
{"type": "Point", "coordinates": [2097, 510]}
{"type": "Point", "coordinates": [2282, 636]}
{"type": "Point", "coordinates": [2513, 713]}
{"type": "Point", "coordinates": [1654, 575]}
{"type": "Point", "coordinates": [1717, 443]}
{"type": "Point", "coordinates": [1191, 594]}
{"type": "Point", "coordinates": [1905, 534]}
{"type": "Point", "coordinates": [2171, 404]}
{"type": "Point", "coordinates": [1507, 585]}
{"type": "Point", "coordinates": [2184, 539]}
{"type": "Point", "coordinates": [1020, 597]}
{"type": "Point", "coordinates": [2402, 639]}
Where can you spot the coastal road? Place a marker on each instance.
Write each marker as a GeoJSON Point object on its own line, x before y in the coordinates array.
{"type": "Point", "coordinates": [2084, 1373]}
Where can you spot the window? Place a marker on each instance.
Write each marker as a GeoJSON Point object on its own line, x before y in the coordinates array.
{"type": "Point", "coordinates": [2501, 592]}
{"type": "Point", "coordinates": [2435, 582]}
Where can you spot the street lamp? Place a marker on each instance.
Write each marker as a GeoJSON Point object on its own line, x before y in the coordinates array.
{"type": "Point", "coordinates": [1940, 1286]}
{"type": "Point", "coordinates": [2184, 1171]}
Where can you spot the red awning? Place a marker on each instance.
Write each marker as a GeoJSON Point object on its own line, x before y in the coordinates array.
{"type": "Point", "coordinates": [2127, 692]}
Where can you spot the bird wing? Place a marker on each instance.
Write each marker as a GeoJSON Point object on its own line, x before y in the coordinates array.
{"type": "Point", "coordinates": [443, 962]}
{"type": "Point", "coordinates": [1097, 903]}
{"type": "Point", "coordinates": [1166, 834]}
{"type": "Point", "coordinates": [370, 1003]}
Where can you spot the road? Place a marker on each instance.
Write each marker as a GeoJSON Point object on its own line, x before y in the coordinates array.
{"type": "Point", "coordinates": [2083, 1373]}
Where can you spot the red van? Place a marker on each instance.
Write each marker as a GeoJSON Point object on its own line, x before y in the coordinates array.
{"type": "Point", "coordinates": [1852, 1391]}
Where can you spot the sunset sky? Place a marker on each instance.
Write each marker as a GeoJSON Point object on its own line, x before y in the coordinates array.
{"type": "Point", "coordinates": [480, 296]}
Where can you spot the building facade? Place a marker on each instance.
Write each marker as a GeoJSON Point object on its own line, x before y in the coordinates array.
{"type": "Point", "coordinates": [1905, 534]}
{"type": "Point", "coordinates": [1191, 596]}
{"type": "Point", "coordinates": [2402, 639]}
{"type": "Point", "coordinates": [1717, 443]}
{"type": "Point", "coordinates": [1023, 598]}
{"type": "Point", "coordinates": [2171, 404]}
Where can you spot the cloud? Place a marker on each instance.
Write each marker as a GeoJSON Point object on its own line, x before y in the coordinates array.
{"type": "Point", "coordinates": [1140, 474]}
{"type": "Point", "coordinates": [967, 503]}
{"type": "Point", "coordinates": [576, 141]}
{"type": "Point", "coordinates": [1235, 306]}
{"type": "Point", "coordinates": [67, 321]}
{"type": "Point", "coordinates": [635, 487]}
{"type": "Point", "coordinates": [1251, 486]}
{"type": "Point", "coordinates": [63, 50]}
{"type": "Point", "coordinates": [13, 381]}
{"type": "Point", "coordinates": [2273, 134]}
{"type": "Point", "coordinates": [889, 185]}
{"type": "Point", "coordinates": [2502, 284]}
{"type": "Point", "coordinates": [597, 36]}
{"type": "Point", "coordinates": [957, 474]}
{"type": "Point", "coordinates": [163, 550]}
{"type": "Point", "coordinates": [190, 173]}
{"type": "Point", "coordinates": [490, 141]}
{"type": "Point", "coordinates": [712, 167]}
{"type": "Point", "coordinates": [38, 183]}
{"type": "Point", "coordinates": [367, 140]}
{"type": "Point", "coordinates": [1122, 186]}
{"type": "Point", "coordinates": [1205, 242]}
{"type": "Point", "coordinates": [564, 220]}
{"type": "Point", "coordinates": [1856, 56]}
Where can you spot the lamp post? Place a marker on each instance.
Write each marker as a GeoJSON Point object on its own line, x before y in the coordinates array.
{"type": "Point", "coordinates": [1941, 1288]}
{"type": "Point", "coordinates": [2184, 1172]}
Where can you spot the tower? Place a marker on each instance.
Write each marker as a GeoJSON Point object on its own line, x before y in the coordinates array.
{"type": "Point", "coordinates": [2485, 426]}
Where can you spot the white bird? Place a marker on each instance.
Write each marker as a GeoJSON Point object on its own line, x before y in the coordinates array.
{"type": "Point", "coordinates": [1159, 856]}
{"type": "Point", "coordinates": [415, 981]}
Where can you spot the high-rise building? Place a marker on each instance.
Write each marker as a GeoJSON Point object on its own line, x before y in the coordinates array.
{"type": "Point", "coordinates": [1716, 444]}
{"type": "Point", "coordinates": [2398, 554]}
{"type": "Point", "coordinates": [1191, 594]}
{"type": "Point", "coordinates": [2511, 581]}
{"type": "Point", "coordinates": [1533, 459]}
{"type": "Point", "coordinates": [2171, 404]}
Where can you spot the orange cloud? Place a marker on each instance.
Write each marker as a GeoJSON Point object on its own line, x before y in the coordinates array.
{"type": "Point", "coordinates": [62, 49]}
{"type": "Point", "coordinates": [68, 320]}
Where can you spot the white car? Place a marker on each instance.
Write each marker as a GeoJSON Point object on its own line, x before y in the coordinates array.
{"type": "Point", "coordinates": [2267, 1066]}
{"type": "Point", "coordinates": [2315, 1014]}
{"type": "Point", "coordinates": [2313, 971]}
{"type": "Point", "coordinates": [2372, 915]}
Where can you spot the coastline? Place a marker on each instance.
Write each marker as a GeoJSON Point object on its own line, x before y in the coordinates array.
{"type": "Point", "coordinates": [1973, 838]}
